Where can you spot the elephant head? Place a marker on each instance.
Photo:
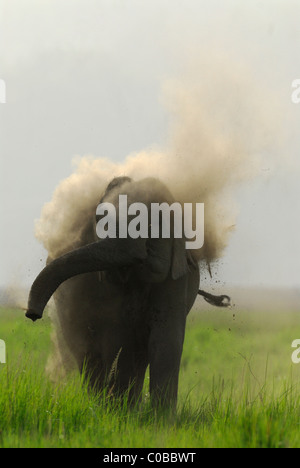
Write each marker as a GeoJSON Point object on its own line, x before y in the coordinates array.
{"type": "Point", "coordinates": [152, 259]}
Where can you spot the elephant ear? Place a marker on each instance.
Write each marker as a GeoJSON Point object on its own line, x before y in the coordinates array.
{"type": "Point", "coordinates": [179, 266]}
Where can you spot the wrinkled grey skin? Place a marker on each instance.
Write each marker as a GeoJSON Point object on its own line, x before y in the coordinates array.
{"type": "Point", "coordinates": [133, 313]}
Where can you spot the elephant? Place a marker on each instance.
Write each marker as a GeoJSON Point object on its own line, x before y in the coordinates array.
{"type": "Point", "coordinates": [122, 303]}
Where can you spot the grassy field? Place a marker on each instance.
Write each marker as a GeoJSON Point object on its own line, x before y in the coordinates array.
{"type": "Point", "coordinates": [238, 388]}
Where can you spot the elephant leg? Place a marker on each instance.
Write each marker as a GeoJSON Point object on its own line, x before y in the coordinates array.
{"type": "Point", "coordinates": [129, 370]}
{"type": "Point", "coordinates": [117, 361]}
{"type": "Point", "coordinates": [125, 359]}
{"type": "Point", "coordinates": [100, 363]}
{"type": "Point", "coordinates": [94, 372]}
{"type": "Point", "coordinates": [168, 312]}
{"type": "Point", "coordinates": [130, 379]}
{"type": "Point", "coordinates": [164, 368]}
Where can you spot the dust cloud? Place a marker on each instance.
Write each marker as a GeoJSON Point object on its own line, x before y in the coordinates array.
{"type": "Point", "coordinates": [221, 124]}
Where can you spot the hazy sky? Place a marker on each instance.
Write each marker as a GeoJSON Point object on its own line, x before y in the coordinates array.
{"type": "Point", "coordinates": [86, 77]}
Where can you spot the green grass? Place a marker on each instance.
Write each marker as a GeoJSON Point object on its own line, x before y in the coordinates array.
{"type": "Point", "coordinates": [238, 388]}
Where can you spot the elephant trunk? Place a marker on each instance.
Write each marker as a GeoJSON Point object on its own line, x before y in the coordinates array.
{"type": "Point", "coordinates": [98, 256]}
